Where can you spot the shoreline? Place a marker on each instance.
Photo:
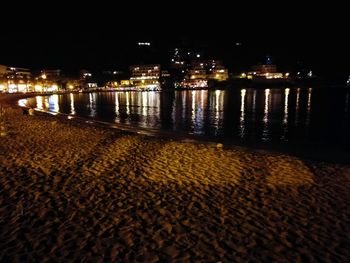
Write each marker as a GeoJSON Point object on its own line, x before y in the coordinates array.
{"type": "Point", "coordinates": [80, 192]}
{"type": "Point", "coordinates": [315, 152]}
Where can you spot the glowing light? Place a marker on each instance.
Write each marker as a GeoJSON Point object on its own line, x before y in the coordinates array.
{"type": "Point", "coordinates": [72, 109]}
{"type": "Point", "coordinates": [52, 88]}
{"type": "Point", "coordinates": [297, 106]}
{"type": "Point", "coordinates": [43, 76]}
{"type": "Point", "coordinates": [144, 103]}
{"type": "Point", "coordinates": [22, 87]}
{"type": "Point", "coordinates": [127, 103]}
{"type": "Point", "coordinates": [92, 104]}
{"type": "Point", "coordinates": [53, 103]}
{"type": "Point", "coordinates": [144, 77]}
{"type": "Point", "coordinates": [12, 88]}
{"type": "Point", "coordinates": [193, 115]}
{"type": "Point", "coordinates": [285, 118]}
{"type": "Point", "coordinates": [254, 101]}
{"type": "Point", "coordinates": [198, 56]}
{"type": "Point", "coordinates": [286, 94]}
{"type": "Point", "coordinates": [38, 88]}
{"type": "Point", "coordinates": [265, 132]}
{"type": "Point", "coordinates": [241, 122]}
{"type": "Point", "coordinates": [85, 75]}
{"type": "Point", "coordinates": [39, 102]}
{"type": "Point", "coordinates": [217, 95]}
{"type": "Point", "coordinates": [308, 106]}
{"type": "Point", "coordinates": [23, 102]}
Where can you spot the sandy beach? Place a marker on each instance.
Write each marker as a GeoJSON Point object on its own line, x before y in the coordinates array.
{"type": "Point", "coordinates": [74, 191]}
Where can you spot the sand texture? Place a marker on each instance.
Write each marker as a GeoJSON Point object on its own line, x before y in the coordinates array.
{"type": "Point", "coordinates": [72, 191]}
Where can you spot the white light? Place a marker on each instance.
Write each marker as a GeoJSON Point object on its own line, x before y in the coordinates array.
{"type": "Point", "coordinates": [198, 55]}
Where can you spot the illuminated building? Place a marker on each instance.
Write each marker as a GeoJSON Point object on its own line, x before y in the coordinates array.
{"type": "Point", "coordinates": [264, 71]}
{"type": "Point", "coordinates": [192, 84]}
{"type": "Point", "coordinates": [220, 74]}
{"type": "Point", "coordinates": [87, 80]}
{"type": "Point", "coordinates": [51, 73]}
{"type": "Point", "coordinates": [85, 74]}
{"type": "Point", "coordinates": [144, 43]}
{"type": "Point", "coordinates": [207, 70]}
{"type": "Point", "coordinates": [177, 59]}
{"type": "Point", "coordinates": [145, 76]}
{"type": "Point", "coordinates": [197, 74]}
{"type": "Point", "coordinates": [125, 82]}
{"type": "Point", "coordinates": [165, 74]}
{"type": "Point", "coordinates": [264, 68]}
{"type": "Point", "coordinates": [15, 79]}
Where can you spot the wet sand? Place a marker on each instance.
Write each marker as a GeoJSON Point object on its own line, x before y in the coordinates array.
{"type": "Point", "coordinates": [70, 190]}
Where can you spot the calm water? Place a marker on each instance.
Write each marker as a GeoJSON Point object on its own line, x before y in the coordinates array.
{"type": "Point", "coordinates": [294, 115]}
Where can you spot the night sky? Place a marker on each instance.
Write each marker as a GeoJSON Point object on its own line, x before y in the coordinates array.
{"type": "Point", "coordinates": [106, 38]}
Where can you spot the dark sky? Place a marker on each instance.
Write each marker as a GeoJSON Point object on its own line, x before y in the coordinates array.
{"type": "Point", "coordinates": [105, 37]}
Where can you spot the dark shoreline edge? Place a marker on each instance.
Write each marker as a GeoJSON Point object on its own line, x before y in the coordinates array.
{"type": "Point", "coordinates": [314, 152]}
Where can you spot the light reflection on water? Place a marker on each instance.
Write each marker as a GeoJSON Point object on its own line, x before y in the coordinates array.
{"type": "Point", "coordinates": [270, 115]}
{"type": "Point", "coordinates": [53, 104]}
{"type": "Point", "coordinates": [308, 106]}
{"type": "Point", "coordinates": [297, 107]}
{"type": "Point", "coordinates": [265, 132]}
{"type": "Point", "coordinates": [71, 97]}
{"type": "Point", "coordinates": [285, 118]}
{"type": "Point", "coordinates": [241, 119]}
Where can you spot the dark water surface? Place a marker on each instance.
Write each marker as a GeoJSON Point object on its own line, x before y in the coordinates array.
{"type": "Point", "coordinates": [267, 116]}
